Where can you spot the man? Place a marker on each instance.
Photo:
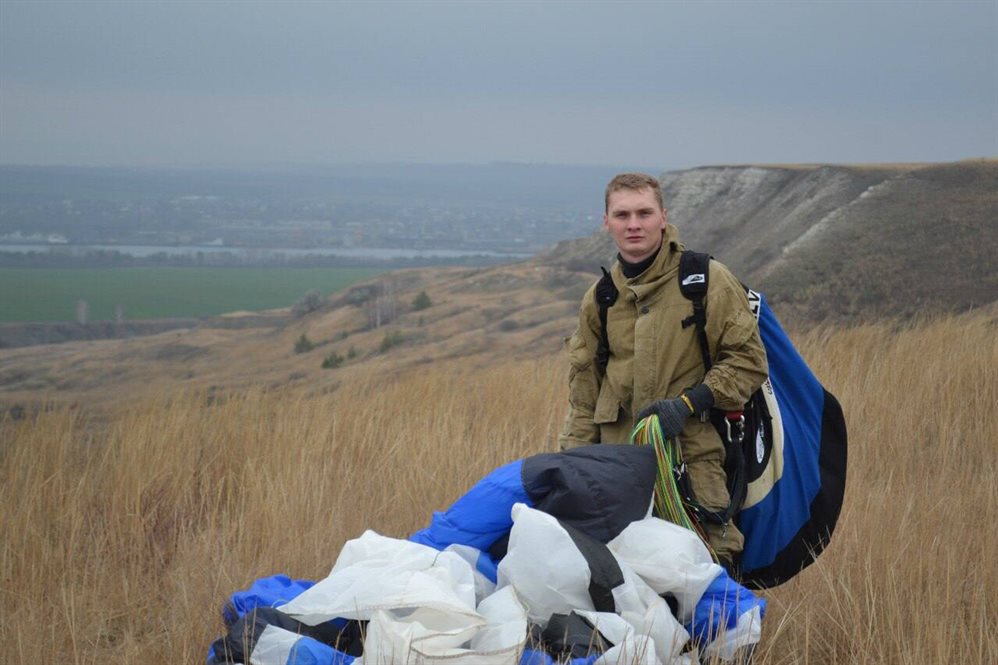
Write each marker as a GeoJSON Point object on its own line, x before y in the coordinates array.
{"type": "Point", "coordinates": [655, 363]}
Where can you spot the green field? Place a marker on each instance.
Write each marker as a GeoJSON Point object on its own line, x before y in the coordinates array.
{"type": "Point", "coordinates": [44, 294]}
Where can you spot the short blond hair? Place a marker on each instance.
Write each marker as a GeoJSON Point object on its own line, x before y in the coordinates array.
{"type": "Point", "coordinates": [635, 182]}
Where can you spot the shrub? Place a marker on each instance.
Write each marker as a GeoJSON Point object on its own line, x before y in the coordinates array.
{"type": "Point", "coordinates": [422, 301]}
{"type": "Point", "coordinates": [391, 339]}
{"type": "Point", "coordinates": [303, 344]}
{"type": "Point", "coordinates": [332, 360]}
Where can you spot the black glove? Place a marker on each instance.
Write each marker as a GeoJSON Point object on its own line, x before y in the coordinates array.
{"type": "Point", "coordinates": [673, 413]}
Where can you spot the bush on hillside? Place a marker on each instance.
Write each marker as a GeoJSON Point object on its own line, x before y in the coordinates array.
{"type": "Point", "coordinates": [332, 360]}
{"type": "Point", "coordinates": [303, 344]}
{"type": "Point", "coordinates": [422, 301]}
{"type": "Point", "coordinates": [391, 339]}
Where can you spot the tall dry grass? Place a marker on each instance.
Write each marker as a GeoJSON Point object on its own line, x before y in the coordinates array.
{"type": "Point", "coordinates": [121, 537]}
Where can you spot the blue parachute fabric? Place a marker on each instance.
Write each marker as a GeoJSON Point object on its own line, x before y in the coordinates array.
{"type": "Point", "coordinates": [265, 592]}
{"type": "Point", "coordinates": [719, 608]}
{"type": "Point", "coordinates": [480, 517]}
{"type": "Point", "coordinates": [308, 651]}
{"type": "Point", "coordinates": [538, 657]}
{"type": "Point", "coordinates": [772, 523]}
{"type": "Point", "coordinates": [271, 592]}
{"type": "Point", "coordinates": [581, 487]}
{"type": "Point", "coordinates": [487, 566]}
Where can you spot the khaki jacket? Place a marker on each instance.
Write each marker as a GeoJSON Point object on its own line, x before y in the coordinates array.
{"type": "Point", "coordinates": [652, 356]}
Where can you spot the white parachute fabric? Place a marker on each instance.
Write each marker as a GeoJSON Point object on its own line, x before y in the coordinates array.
{"type": "Point", "coordinates": [374, 572]}
{"type": "Point", "coordinates": [484, 587]}
{"type": "Point", "coordinates": [550, 576]}
{"type": "Point", "coordinates": [420, 603]}
{"type": "Point", "coordinates": [545, 567]}
{"type": "Point", "coordinates": [629, 648]}
{"type": "Point", "coordinates": [275, 645]}
{"type": "Point", "coordinates": [424, 638]}
{"type": "Point", "coordinates": [671, 559]}
{"type": "Point", "coordinates": [748, 631]}
{"type": "Point", "coordinates": [429, 606]}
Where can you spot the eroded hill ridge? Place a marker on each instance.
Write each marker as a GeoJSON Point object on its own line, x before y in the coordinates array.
{"type": "Point", "coordinates": [838, 242]}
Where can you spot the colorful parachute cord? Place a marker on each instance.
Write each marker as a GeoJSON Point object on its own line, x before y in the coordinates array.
{"type": "Point", "coordinates": [668, 500]}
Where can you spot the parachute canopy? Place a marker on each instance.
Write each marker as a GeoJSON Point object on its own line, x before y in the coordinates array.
{"type": "Point", "coordinates": [553, 558]}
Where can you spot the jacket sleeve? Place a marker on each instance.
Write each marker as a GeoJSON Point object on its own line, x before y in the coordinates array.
{"type": "Point", "coordinates": [583, 381]}
{"type": "Point", "coordinates": [739, 358]}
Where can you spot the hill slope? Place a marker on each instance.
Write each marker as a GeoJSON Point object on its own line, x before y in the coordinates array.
{"type": "Point", "coordinates": [823, 242]}
{"type": "Point", "coordinates": [838, 242]}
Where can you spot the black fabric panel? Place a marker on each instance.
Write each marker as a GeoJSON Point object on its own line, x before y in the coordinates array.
{"type": "Point", "coordinates": [758, 421]}
{"type": "Point", "coordinates": [571, 636]}
{"type": "Point", "coordinates": [216, 653]}
{"type": "Point", "coordinates": [498, 549]}
{"type": "Point", "coordinates": [244, 633]}
{"type": "Point", "coordinates": [598, 489]}
{"type": "Point", "coordinates": [604, 571]}
{"type": "Point", "coordinates": [814, 536]}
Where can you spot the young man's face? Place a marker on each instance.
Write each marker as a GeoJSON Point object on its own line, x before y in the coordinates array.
{"type": "Point", "coordinates": [635, 222]}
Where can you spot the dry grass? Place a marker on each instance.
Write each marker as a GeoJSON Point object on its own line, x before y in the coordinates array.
{"type": "Point", "coordinates": [120, 539]}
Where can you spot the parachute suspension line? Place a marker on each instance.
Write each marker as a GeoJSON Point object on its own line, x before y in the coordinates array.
{"type": "Point", "coordinates": [668, 500]}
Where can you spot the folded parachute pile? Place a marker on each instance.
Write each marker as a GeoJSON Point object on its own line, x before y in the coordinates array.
{"type": "Point", "coordinates": [550, 559]}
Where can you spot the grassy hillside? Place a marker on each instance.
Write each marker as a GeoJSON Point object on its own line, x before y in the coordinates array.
{"type": "Point", "coordinates": [480, 315]}
{"type": "Point", "coordinates": [920, 242]}
{"type": "Point", "coordinates": [124, 529]}
{"type": "Point", "coordinates": [824, 243]}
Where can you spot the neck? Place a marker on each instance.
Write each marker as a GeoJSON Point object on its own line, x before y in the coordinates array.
{"type": "Point", "coordinates": [633, 269]}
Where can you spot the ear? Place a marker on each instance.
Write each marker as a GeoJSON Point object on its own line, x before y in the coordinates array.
{"type": "Point", "coordinates": [606, 222]}
{"type": "Point", "coordinates": [665, 217]}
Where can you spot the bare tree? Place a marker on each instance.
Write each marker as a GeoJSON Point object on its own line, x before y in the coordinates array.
{"type": "Point", "coordinates": [311, 301]}
{"type": "Point", "coordinates": [383, 307]}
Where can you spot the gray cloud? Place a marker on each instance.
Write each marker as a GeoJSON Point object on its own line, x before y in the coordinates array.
{"type": "Point", "coordinates": [666, 84]}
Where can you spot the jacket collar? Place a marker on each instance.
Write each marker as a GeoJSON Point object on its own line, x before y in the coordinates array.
{"type": "Point", "coordinates": [665, 266]}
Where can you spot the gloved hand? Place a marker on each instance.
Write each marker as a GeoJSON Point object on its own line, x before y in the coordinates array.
{"type": "Point", "coordinates": [673, 413]}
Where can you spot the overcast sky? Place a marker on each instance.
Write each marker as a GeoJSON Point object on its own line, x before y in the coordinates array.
{"type": "Point", "coordinates": [662, 84]}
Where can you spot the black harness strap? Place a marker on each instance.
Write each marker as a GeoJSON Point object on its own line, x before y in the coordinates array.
{"type": "Point", "coordinates": [606, 296]}
{"type": "Point", "coordinates": [694, 275]}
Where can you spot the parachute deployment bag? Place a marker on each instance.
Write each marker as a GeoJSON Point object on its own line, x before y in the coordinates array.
{"type": "Point", "coordinates": [785, 451]}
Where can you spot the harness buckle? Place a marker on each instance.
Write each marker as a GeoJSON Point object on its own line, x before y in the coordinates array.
{"type": "Point", "coordinates": [736, 427]}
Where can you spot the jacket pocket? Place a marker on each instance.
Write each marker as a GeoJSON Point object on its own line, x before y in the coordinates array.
{"type": "Point", "coordinates": [582, 382]}
{"type": "Point", "coordinates": [607, 406]}
{"type": "Point", "coordinates": [579, 355]}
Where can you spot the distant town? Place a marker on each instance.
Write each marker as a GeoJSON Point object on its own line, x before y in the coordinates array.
{"type": "Point", "coordinates": [64, 214]}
